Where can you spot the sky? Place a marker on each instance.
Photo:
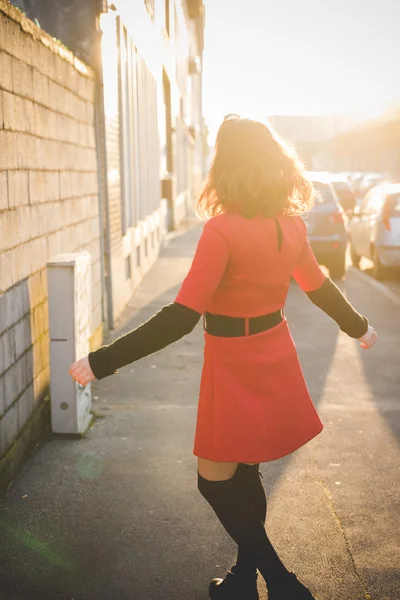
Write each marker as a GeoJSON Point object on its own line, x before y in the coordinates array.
{"type": "Point", "coordinates": [276, 57]}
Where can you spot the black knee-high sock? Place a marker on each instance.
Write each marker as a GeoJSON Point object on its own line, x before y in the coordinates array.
{"type": "Point", "coordinates": [247, 482]}
{"type": "Point", "coordinates": [244, 526]}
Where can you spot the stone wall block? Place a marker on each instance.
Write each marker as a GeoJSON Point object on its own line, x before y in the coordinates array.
{"type": "Point", "coordinates": [1, 110]}
{"type": "Point", "coordinates": [54, 242]}
{"type": "Point", "coordinates": [45, 61]}
{"type": "Point", "coordinates": [29, 364]}
{"type": "Point", "coordinates": [52, 186]}
{"type": "Point", "coordinates": [8, 429]}
{"type": "Point", "coordinates": [6, 274]}
{"type": "Point", "coordinates": [2, 398]}
{"type": "Point", "coordinates": [21, 261]}
{"type": "Point", "coordinates": [37, 187]}
{"type": "Point", "coordinates": [25, 406]}
{"type": "Point", "coordinates": [7, 350]}
{"type": "Point", "coordinates": [13, 116]}
{"type": "Point", "coordinates": [37, 289]}
{"type": "Point", "coordinates": [6, 81]}
{"type": "Point", "coordinates": [15, 381]}
{"type": "Point", "coordinates": [39, 253]}
{"type": "Point", "coordinates": [9, 150]}
{"type": "Point", "coordinates": [66, 184]}
{"type": "Point", "coordinates": [14, 305]}
{"type": "Point", "coordinates": [18, 188]}
{"type": "Point", "coordinates": [29, 151]}
{"type": "Point", "coordinates": [22, 79]}
{"type": "Point", "coordinates": [41, 356]}
{"type": "Point", "coordinates": [14, 40]}
{"type": "Point", "coordinates": [41, 384]}
{"type": "Point", "coordinates": [27, 227]}
{"type": "Point", "coordinates": [4, 192]}
{"type": "Point", "coordinates": [8, 230]}
{"type": "Point", "coordinates": [41, 88]}
{"type": "Point", "coordinates": [86, 89]}
{"type": "Point", "coordinates": [23, 336]}
{"type": "Point", "coordinates": [89, 113]}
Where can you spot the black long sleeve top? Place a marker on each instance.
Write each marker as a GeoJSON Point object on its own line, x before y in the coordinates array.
{"type": "Point", "coordinates": [175, 321]}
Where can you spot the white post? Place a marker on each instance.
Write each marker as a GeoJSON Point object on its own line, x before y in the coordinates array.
{"type": "Point", "coordinates": [70, 326]}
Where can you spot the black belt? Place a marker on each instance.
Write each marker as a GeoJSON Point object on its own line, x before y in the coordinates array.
{"type": "Point", "coordinates": [222, 326]}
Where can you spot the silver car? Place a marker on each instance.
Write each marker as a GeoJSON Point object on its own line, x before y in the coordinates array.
{"type": "Point", "coordinates": [374, 229]}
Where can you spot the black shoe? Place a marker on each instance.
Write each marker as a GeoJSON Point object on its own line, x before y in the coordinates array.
{"type": "Point", "coordinates": [235, 586]}
{"type": "Point", "coordinates": [291, 589]}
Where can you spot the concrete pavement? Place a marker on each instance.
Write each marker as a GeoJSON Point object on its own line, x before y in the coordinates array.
{"type": "Point", "coordinates": [117, 516]}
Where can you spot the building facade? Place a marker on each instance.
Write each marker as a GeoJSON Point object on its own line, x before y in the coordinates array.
{"type": "Point", "coordinates": [152, 59]}
{"type": "Point", "coordinates": [101, 150]}
{"type": "Point", "coordinates": [372, 147]}
{"type": "Point", "coordinates": [310, 134]}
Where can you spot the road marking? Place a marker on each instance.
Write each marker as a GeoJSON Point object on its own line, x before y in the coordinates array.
{"type": "Point", "coordinates": [377, 285]}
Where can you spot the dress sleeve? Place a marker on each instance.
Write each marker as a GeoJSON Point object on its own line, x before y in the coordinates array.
{"type": "Point", "coordinates": [166, 327]}
{"type": "Point", "coordinates": [307, 271]}
{"type": "Point", "coordinates": [330, 299]}
{"type": "Point", "coordinates": [208, 267]}
{"type": "Point", "coordinates": [324, 293]}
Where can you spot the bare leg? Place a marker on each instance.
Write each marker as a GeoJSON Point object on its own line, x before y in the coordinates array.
{"type": "Point", "coordinates": [216, 471]}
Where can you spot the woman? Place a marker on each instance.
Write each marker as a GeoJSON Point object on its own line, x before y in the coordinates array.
{"type": "Point", "coordinates": [254, 405]}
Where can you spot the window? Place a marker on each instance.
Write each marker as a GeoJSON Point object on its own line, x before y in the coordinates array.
{"type": "Point", "coordinates": [167, 16]}
{"type": "Point", "coordinates": [393, 201]}
{"type": "Point", "coordinates": [365, 201]}
{"type": "Point", "coordinates": [376, 201]}
{"type": "Point", "coordinates": [125, 85]}
{"type": "Point", "coordinates": [150, 7]}
{"type": "Point", "coordinates": [139, 135]}
{"type": "Point", "coordinates": [323, 193]}
{"type": "Point", "coordinates": [169, 157]}
{"type": "Point", "coordinates": [128, 270]}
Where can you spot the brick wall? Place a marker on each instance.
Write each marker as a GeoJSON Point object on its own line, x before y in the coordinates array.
{"type": "Point", "coordinates": [48, 203]}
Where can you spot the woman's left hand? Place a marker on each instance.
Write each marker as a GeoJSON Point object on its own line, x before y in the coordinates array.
{"type": "Point", "coordinates": [81, 371]}
{"type": "Point", "coordinates": [369, 338]}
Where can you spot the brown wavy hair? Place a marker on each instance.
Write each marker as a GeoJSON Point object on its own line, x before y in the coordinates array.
{"type": "Point", "coordinates": [254, 172]}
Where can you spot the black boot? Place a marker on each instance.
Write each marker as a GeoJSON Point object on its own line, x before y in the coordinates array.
{"type": "Point", "coordinates": [235, 586]}
{"type": "Point", "coordinates": [291, 589]}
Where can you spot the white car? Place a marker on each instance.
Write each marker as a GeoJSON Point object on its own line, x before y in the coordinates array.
{"type": "Point", "coordinates": [374, 229]}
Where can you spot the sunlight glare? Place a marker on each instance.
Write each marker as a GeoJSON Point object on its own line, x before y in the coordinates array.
{"type": "Point", "coordinates": [300, 58]}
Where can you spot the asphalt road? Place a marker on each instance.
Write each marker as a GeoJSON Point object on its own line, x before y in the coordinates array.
{"type": "Point", "coordinates": [117, 516]}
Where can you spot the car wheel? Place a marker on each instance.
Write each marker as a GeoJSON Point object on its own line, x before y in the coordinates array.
{"type": "Point", "coordinates": [355, 258]}
{"type": "Point", "coordinates": [379, 271]}
{"type": "Point", "coordinates": [337, 268]}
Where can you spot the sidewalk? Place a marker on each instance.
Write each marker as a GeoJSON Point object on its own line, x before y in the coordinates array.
{"type": "Point", "coordinates": [117, 515]}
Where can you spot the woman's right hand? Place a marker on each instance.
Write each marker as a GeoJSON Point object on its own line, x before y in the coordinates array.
{"type": "Point", "coordinates": [369, 338]}
{"type": "Point", "coordinates": [81, 371]}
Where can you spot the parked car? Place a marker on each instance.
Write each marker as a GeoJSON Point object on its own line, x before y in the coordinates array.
{"type": "Point", "coordinates": [345, 194]}
{"type": "Point", "coordinates": [326, 227]}
{"type": "Point", "coordinates": [371, 180]}
{"type": "Point", "coordinates": [374, 229]}
{"type": "Point", "coordinates": [356, 181]}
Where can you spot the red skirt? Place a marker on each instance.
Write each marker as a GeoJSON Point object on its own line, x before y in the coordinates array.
{"type": "Point", "coordinates": [254, 404]}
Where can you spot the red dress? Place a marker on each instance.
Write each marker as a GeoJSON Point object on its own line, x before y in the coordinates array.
{"type": "Point", "coordinates": [254, 405]}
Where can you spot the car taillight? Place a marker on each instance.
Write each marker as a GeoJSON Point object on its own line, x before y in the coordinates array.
{"type": "Point", "coordinates": [387, 210]}
{"type": "Point", "coordinates": [336, 217]}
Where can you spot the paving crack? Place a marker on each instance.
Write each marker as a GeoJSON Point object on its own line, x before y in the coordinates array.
{"type": "Point", "coordinates": [366, 594]}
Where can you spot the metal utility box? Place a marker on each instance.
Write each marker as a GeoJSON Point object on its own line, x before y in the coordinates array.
{"type": "Point", "coordinates": [69, 323]}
